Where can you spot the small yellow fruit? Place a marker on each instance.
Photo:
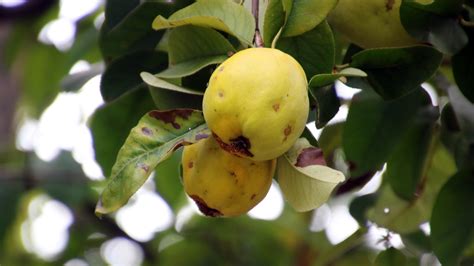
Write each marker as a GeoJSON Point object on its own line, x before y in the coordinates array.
{"type": "Point", "coordinates": [256, 103]}
{"type": "Point", "coordinates": [371, 23]}
{"type": "Point", "coordinates": [222, 184]}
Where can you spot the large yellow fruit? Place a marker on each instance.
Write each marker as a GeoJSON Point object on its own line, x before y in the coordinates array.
{"type": "Point", "coordinates": [222, 184]}
{"type": "Point", "coordinates": [256, 103]}
{"type": "Point", "coordinates": [370, 23]}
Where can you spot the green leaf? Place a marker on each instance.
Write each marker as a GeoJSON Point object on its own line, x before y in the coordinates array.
{"type": "Point", "coordinates": [322, 90]}
{"type": "Point", "coordinates": [403, 216]}
{"type": "Point", "coordinates": [224, 15]}
{"type": "Point", "coordinates": [321, 80]}
{"type": "Point", "coordinates": [156, 136]}
{"type": "Point", "coordinates": [374, 127]}
{"type": "Point", "coordinates": [394, 72]}
{"type": "Point", "coordinates": [305, 15]}
{"type": "Point", "coordinates": [359, 206]}
{"type": "Point", "coordinates": [390, 257]}
{"type": "Point", "coordinates": [192, 48]}
{"type": "Point", "coordinates": [273, 21]}
{"type": "Point", "coordinates": [452, 221]}
{"type": "Point", "coordinates": [409, 161]}
{"type": "Point", "coordinates": [314, 49]}
{"type": "Point", "coordinates": [156, 82]}
{"type": "Point", "coordinates": [462, 65]}
{"type": "Point", "coordinates": [127, 26]}
{"type": "Point", "coordinates": [304, 178]}
{"type": "Point", "coordinates": [76, 81]}
{"type": "Point", "coordinates": [436, 23]}
{"type": "Point", "coordinates": [167, 179]}
{"type": "Point", "coordinates": [123, 74]}
{"type": "Point", "coordinates": [119, 117]}
{"type": "Point", "coordinates": [327, 103]}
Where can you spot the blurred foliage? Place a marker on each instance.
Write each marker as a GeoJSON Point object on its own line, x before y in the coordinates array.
{"type": "Point", "coordinates": [423, 141]}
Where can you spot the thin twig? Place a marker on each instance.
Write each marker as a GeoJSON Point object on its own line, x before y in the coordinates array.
{"type": "Point", "coordinates": [255, 11]}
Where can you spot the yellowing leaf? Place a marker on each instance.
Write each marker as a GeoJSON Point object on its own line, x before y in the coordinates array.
{"type": "Point", "coordinates": [304, 178]}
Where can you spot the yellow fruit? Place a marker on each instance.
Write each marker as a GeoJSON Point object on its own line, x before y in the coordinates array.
{"type": "Point", "coordinates": [222, 184]}
{"type": "Point", "coordinates": [371, 23]}
{"type": "Point", "coordinates": [256, 103]}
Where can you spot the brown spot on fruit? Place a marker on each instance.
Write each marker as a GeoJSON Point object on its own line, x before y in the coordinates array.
{"type": "Point", "coordinates": [232, 173]}
{"type": "Point", "coordinates": [220, 94]}
{"type": "Point", "coordinates": [190, 165]}
{"type": "Point", "coordinates": [239, 146]}
{"type": "Point", "coordinates": [147, 131]}
{"type": "Point", "coordinates": [389, 5]}
{"type": "Point", "coordinates": [310, 156]}
{"type": "Point", "coordinates": [253, 196]}
{"type": "Point", "coordinates": [206, 210]}
{"type": "Point", "coordinates": [287, 132]}
{"type": "Point", "coordinates": [171, 115]}
{"type": "Point", "coordinates": [276, 107]}
{"type": "Point", "coordinates": [221, 68]}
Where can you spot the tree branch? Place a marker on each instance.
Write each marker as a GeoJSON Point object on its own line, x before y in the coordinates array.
{"type": "Point", "coordinates": [255, 11]}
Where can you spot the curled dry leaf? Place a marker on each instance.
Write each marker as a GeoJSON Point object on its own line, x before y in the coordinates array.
{"type": "Point", "coordinates": [304, 178]}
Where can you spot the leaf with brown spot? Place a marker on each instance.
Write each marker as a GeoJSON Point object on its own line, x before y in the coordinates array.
{"type": "Point", "coordinates": [142, 152]}
{"type": "Point", "coordinates": [306, 184]}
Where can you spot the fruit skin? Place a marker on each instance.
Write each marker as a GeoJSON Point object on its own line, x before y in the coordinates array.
{"type": "Point", "coordinates": [256, 103]}
{"type": "Point", "coordinates": [222, 184]}
{"type": "Point", "coordinates": [371, 23]}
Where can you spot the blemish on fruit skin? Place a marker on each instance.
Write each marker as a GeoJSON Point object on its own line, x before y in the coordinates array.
{"type": "Point", "coordinates": [190, 165]}
{"type": "Point", "coordinates": [389, 5]}
{"type": "Point", "coordinates": [221, 68]}
{"type": "Point", "coordinates": [253, 196]}
{"type": "Point", "coordinates": [147, 131]}
{"type": "Point", "coordinates": [276, 107]}
{"type": "Point", "coordinates": [232, 173]}
{"type": "Point", "coordinates": [310, 156]}
{"type": "Point", "coordinates": [239, 146]}
{"type": "Point", "coordinates": [206, 210]}
{"type": "Point", "coordinates": [287, 132]}
{"type": "Point", "coordinates": [220, 94]}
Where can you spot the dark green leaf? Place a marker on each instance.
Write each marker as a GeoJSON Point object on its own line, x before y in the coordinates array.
{"type": "Point", "coordinates": [327, 103]}
{"type": "Point", "coordinates": [374, 127]}
{"type": "Point", "coordinates": [403, 216]}
{"type": "Point", "coordinates": [127, 27]}
{"type": "Point", "coordinates": [463, 64]}
{"type": "Point", "coordinates": [408, 163]}
{"type": "Point", "coordinates": [192, 48]}
{"type": "Point", "coordinates": [10, 194]}
{"type": "Point", "coordinates": [452, 221]}
{"type": "Point", "coordinates": [167, 179]}
{"type": "Point", "coordinates": [306, 15]}
{"type": "Point", "coordinates": [273, 21]}
{"type": "Point", "coordinates": [359, 206]}
{"type": "Point", "coordinates": [436, 23]}
{"type": "Point", "coordinates": [224, 15]}
{"type": "Point", "coordinates": [321, 88]}
{"type": "Point", "coordinates": [157, 135]}
{"type": "Point", "coordinates": [119, 117]}
{"type": "Point", "coordinates": [394, 72]}
{"type": "Point", "coordinates": [314, 50]}
{"type": "Point", "coordinates": [390, 257]}
{"type": "Point", "coordinates": [123, 74]}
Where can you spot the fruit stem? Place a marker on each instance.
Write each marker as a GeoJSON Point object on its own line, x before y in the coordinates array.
{"type": "Point", "coordinates": [258, 38]}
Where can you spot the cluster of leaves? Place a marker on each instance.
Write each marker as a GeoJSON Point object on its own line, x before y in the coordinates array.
{"type": "Point", "coordinates": [162, 54]}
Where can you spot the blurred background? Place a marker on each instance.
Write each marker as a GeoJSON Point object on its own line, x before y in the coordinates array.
{"type": "Point", "coordinates": [50, 72]}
